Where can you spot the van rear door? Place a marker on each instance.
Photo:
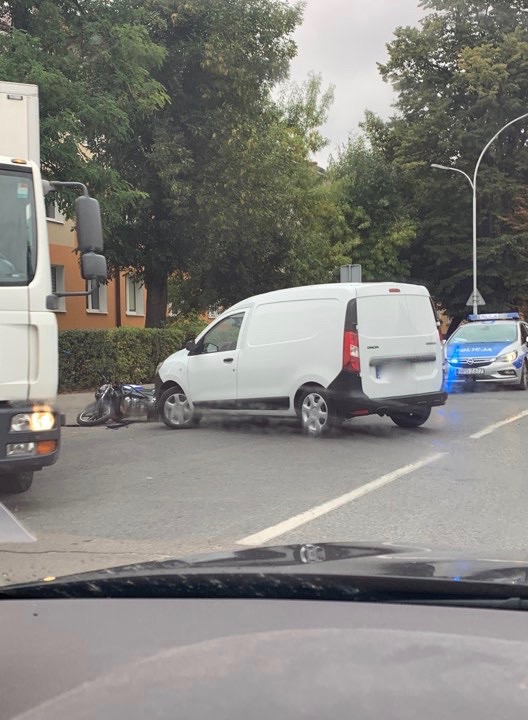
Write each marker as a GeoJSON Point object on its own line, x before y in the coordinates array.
{"type": "Point", "coordinates": [399, 345]}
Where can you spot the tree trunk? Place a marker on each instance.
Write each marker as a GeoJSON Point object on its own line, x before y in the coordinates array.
{"type": "Point", "coordinates": [156, 284]}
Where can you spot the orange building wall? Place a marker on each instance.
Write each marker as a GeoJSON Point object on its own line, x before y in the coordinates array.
{"type": "Point", "coordinates": [76, 316]}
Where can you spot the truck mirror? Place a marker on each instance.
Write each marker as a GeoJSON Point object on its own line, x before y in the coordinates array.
{"type": "Point", "coordinates": [89, 225]}
{"type": "Point", "coordinates": [93, 267]}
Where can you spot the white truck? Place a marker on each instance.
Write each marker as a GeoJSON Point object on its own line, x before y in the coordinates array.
{"type": "Point", "coordinates": [30, 423]}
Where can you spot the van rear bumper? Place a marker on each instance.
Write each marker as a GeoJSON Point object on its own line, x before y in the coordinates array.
{"type": "Point", "coordinates": [349, 399]}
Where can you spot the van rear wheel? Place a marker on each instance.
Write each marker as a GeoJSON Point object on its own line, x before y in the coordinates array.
{"type": "Point", "coordinates": [315, 412]}
{"type": "Point", "coordinates": [412, 419]}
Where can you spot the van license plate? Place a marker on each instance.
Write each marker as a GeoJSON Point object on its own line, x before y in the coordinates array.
{"type": "Point", "coordinates": [391, 368]}
{"type": "Point", "coordinates": [470, 371]}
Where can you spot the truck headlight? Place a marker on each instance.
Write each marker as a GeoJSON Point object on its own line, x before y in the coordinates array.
{"type": "Point", "coordinates": [33, 422]}
{"type": "Point", "coordinates": [508, 357]}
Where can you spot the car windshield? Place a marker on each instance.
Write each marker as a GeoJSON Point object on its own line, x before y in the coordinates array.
{"type": "Point", "coordinates": [485, 332]}
{"type": "Point", "coordinates": [302, 203]}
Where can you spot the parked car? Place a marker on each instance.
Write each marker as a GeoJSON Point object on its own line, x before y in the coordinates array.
{"type": "Point", "coordinates": [323, 353]}
{"type": "Point", "coordinates": [490, 348]}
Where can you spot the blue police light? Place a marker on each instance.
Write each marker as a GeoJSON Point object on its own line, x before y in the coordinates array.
{"type": "Point", "coordinates": [495, 316]}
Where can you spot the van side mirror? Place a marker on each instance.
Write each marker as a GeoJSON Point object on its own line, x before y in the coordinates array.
{"type": "Point", "coordinates": [190, 345]}
{"type": "Point", "coordinates": [89, 225]}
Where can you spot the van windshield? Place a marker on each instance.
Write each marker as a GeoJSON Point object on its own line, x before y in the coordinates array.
{"type": "Point", "coordinates": [17, 228]}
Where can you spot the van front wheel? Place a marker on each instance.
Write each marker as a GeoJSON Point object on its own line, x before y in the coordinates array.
{"type": "Point", "coordinates": [315, 412]}
{"type": "Point", "coordinates": [176, 410]}
{"type": "Point", "coordinates": [412, 419]}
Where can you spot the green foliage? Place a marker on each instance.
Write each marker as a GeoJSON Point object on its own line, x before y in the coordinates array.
{"type": "Point", "coordinates": [124, 354]}
{"type": "Point", "coordinates": [93, 63]}
{"type": "Point", "coordinates": [221, 61]}
{"type": "Point", "coordinates": [201, 172]}
{"type": "Point", "coordinates": [324, 241]}
{"type": "Point", "coordinates": [265, 217]}
{"type": "Point", "coordinates": [305, 108]}
{"type": "Point", "coordinates": [460, 78]}
{"type": "Point", "coordinates": [374, 211]}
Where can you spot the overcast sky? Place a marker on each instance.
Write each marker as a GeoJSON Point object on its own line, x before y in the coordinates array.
{"type": "Point", "coordinates": [343, 40]}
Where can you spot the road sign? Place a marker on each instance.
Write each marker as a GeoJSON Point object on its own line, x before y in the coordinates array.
{"type": "Point", "coordinates": [480, 299]}
{"type": "Point", "coordinates": [350, 273]}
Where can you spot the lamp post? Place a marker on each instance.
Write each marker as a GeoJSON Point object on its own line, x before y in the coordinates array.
{"type": "Point", "coordinates": [473, 183]}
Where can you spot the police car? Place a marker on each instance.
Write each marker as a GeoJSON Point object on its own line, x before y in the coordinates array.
{"type": "Point", "coordinates": [489, 348]}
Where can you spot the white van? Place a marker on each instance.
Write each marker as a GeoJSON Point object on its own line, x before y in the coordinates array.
{"type": "Point", "coordinates": [323, 353]}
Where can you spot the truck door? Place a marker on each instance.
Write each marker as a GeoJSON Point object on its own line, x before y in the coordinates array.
{"type": "Point", "coordinates": [17, 268]}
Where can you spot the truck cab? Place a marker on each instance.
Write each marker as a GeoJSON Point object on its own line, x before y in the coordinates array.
{"type": "Point", "coordinates": [29, 421]}
{"type": "Point", "coordinates": [28, 331]}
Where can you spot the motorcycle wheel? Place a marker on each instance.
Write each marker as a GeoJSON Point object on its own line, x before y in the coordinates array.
{"type": "Point", "coordinates": [94, 414]}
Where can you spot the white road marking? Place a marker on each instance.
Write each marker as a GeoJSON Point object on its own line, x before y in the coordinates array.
{"type": "Point", "coordinates": [497, 425]}
{"type": "Point", "coordinates": [305, 517]}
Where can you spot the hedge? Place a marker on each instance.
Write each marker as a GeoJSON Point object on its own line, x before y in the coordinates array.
{"type": "Point", "coordinates": [123, 354]}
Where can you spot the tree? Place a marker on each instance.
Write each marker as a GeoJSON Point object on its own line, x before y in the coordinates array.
{"type": "Point", "coordinates": [374, 211]}
{"type": "Point", "coordinates": [459, 78]}
{"type": "Point", "coordinates": [193, 162]}
{"type": "Point", "coordinates": [93, 63]}
{"type": "Point", "coordinates": [268, 216]}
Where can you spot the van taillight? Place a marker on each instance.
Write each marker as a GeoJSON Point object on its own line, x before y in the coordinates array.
{"type": "Point", "coordinates": [351, 352]}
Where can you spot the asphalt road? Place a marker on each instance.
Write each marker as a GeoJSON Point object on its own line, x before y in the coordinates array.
{"type": "Point", "coordinates": [144, 492]}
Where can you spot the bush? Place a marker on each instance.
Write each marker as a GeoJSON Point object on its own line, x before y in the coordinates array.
{"type": "Point", "coordinates": [124, 354]}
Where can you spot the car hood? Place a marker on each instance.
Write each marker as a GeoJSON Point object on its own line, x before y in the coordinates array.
{"type": "Point", "coordinates": [352, 559]}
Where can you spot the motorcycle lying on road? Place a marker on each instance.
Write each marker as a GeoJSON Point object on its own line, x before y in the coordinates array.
{"type": "Point", "coordinates": [119, 402]}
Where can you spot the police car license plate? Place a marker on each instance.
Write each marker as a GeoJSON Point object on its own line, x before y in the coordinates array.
{"type": "Point", "coordinates": [470, 371]}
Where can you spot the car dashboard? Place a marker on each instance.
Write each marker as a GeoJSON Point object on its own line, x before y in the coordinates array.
{"type": "Point", "coordinates": [163, 658]}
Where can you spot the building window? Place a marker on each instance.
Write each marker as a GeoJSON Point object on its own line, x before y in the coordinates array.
{"type": "Point", "coordinates": [96, 301]}
{"type": "Point", "coordinates": [53, 212]}
{"type": "Point", "coordinates": [134, 296]}
{"type": "Point", "coordinates": [57, 285]}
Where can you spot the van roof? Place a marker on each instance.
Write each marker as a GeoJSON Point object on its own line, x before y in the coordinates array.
{"type": "Point", "coordinates": [336, 289]}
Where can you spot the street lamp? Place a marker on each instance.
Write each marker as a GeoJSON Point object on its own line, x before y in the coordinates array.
{"type": "Point", "coordinates": [473, 184]}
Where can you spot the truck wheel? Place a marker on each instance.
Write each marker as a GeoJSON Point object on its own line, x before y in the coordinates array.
{"type": "Point", "coordinates": [14, 483]}
{"type": "Point", "coordinates": [412, 419]}
{"type": "Point", "coordinates": [315, 412]}
{"type": "Point", "coordinates": [176, 410]}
